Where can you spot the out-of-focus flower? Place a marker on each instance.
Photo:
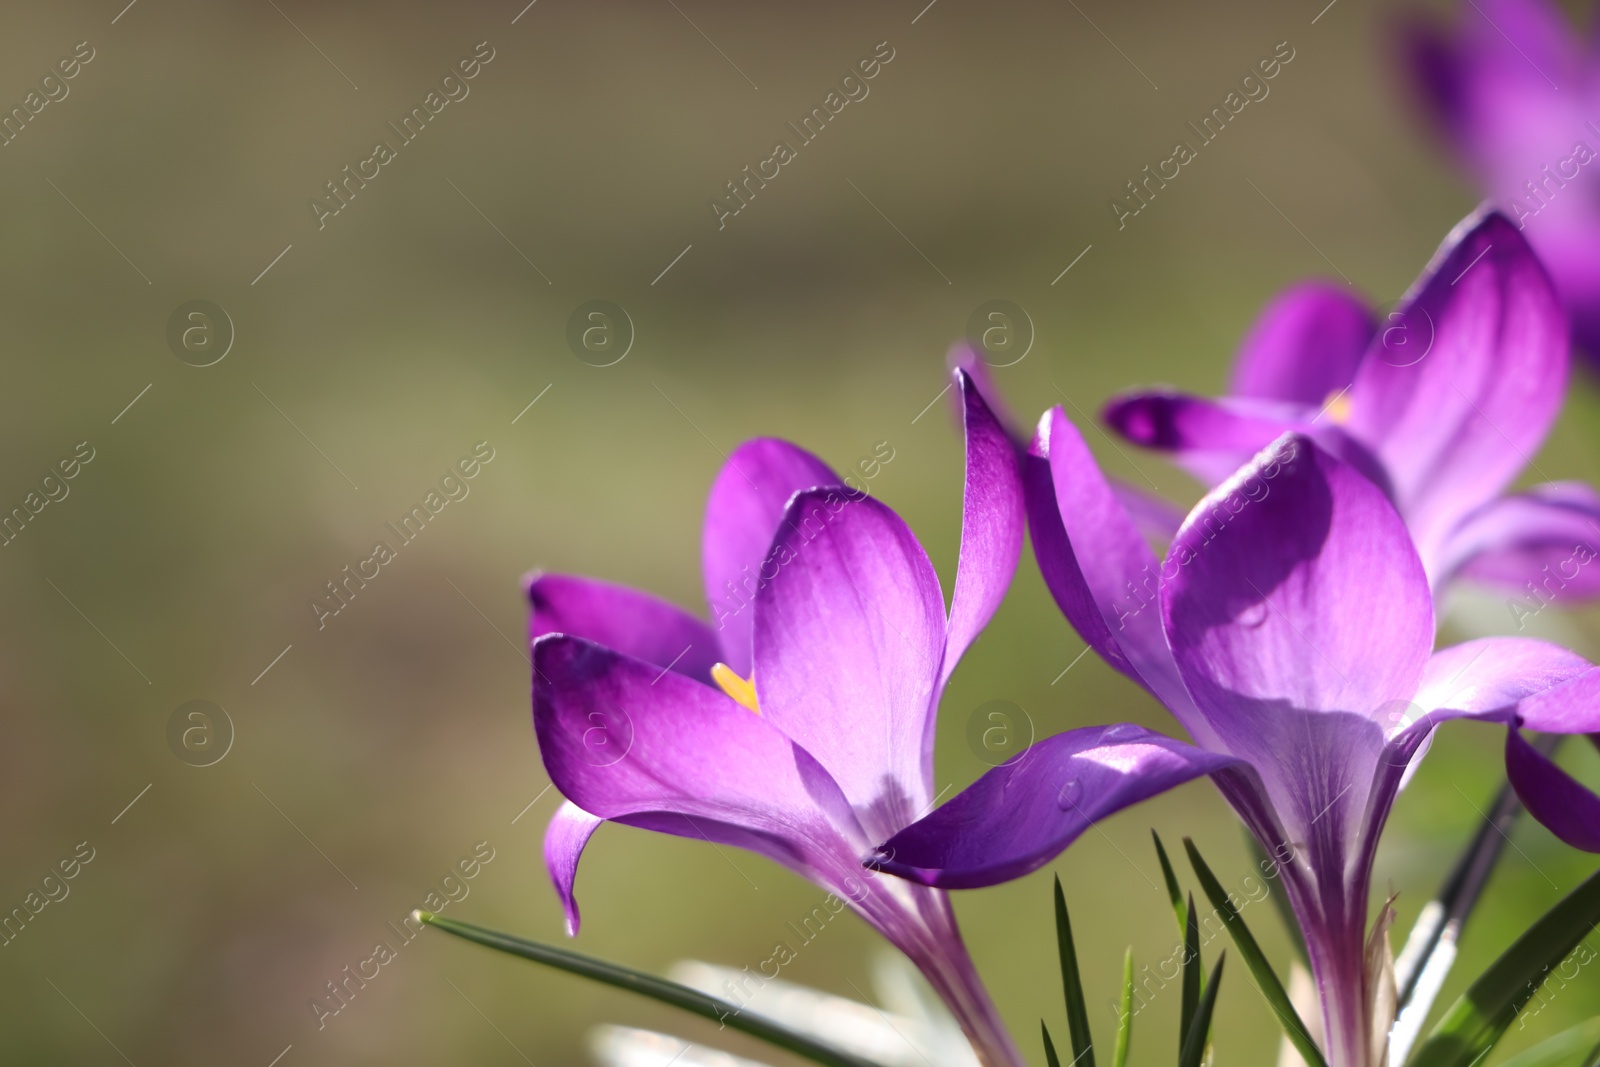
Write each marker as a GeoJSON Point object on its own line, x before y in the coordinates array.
{"type": "Point", "coordinates": [1443, 405]}
{"type": "Point", "coordinates": [1289, 631]}
{"type": "Point", "coordinates": [1514, 91]}
{"type": "Point", "coordinates": [802, 727]}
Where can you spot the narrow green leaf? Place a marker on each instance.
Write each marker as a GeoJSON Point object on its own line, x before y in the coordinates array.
{"type": "Point", "coordinates": [679, 996]}
{"type": "Point", "coordinates": [1174, 894]}
{"type": "Point", "coordinates": [1119, 1058]}
{"type": "Point", "coordinates": [1194, 1041]}
{"type": "Point", "coordinates": [1072, 986]}
{"type": "Point", "coordinates": [1050, 1057]}
{"type": "Point", "coordinates": [1480, 1017]}
{"type": "Point", "coordinates": [1191, 972]}
{"type": "Point", "coordinates": [1266, 979]}
{"type": "Point", "coordinates": [1576, 1045]}
{"type": "Point", "coordinates": [1280, 899]}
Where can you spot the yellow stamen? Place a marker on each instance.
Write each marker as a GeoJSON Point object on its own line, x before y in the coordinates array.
{"type": "Point", "coordinates": [736, 687]}
{"type": "Point", "coordinates": [1338, 406]}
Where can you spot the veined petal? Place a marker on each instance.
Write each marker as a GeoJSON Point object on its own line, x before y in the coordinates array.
{"type": "Point", "coordinates": [1510, 680]}
{"type": "Point", "coordinates": [991, 523]}
{"type": "Point", "coordinates": [1553, 796]}
{"type": "Point", "coordinates": [634, 623]}
{"type": "Point", "coordinates": [564, 841]}
{"type": "Point", "coordinates": [849, 642]}
{"type": "Point", "coordinates": [1305, 347]}
{"type": "Point", "coordinates": [627, 742]}
{"type": "Point", "coordinates": [1210, 438]}
{"type": "Point", "coordinates": [1103, 575]}
{"type": "Point", "coordinates": [1547, 536]}
{"type": "Point", "coordinates": [1295, 582]}
{"type": "Point", "coordinates": [1454, 423]}
{"type": "Point", "coordinates": [742, 515]}
{"type": "Point", "coordinates": [1021, 815]}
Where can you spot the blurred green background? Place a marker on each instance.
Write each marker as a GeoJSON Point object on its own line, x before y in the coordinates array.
{"type": "Point", "coordinates": [427, 314]}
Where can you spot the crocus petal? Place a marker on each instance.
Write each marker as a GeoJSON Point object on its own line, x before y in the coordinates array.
{"type": "Point", "coordinates": [1295, 582]}
{"type": "Point", "coordinates": [1553, 796]}
{"type": "Point", "coordinates": [742, 515]}
{"type": "Point", "coordinates": [849, 641]}
{"type": "Point", "coordinates": [1101, 572]}
{"type": "Point", "coordinates": [1022, 814]}
{"type": "Point", "coordinates": [991, 524]}
{"type": "Point", "coordinates": [634, 623]}
{"type": "Point", "coordinates": [1455, 421]}
{"type": "Point", "coordinates": [1210, 438]}
{"type": "Point", "coordinates": [564, 840]}
{"type": "Point", "coordinates": [628, 743]}
{"type": "Point", "coordinates": [1305, 347]}
{"type": "Point", "coordinates": [1156, 517]}
{"type": "Point", "coordinates": [1547, 536]}
{"type": "Point", "coordinates": [1511, 680]}
{"type": "Point", "coordinates": [963, 357]}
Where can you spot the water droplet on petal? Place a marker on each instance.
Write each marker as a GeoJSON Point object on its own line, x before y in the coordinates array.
{"type": "Point", "coordinates": [1067, 796]}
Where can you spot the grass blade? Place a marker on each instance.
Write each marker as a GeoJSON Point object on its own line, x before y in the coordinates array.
{"type": "Point", "coordinates": [1050, 1057]}
{"type": "Point", "coordinates": [1569, 1048]}
{"type": "Point", "coordinates": [1072, 985]}
{"type": "Point", "coordinates": [1280, 900]}
{"type": "Point", "coordinates": [1480, 1017]}
{"type": "Point", "coordinates": [1266, 979]}
{"type": "Point", "coordinates": [1194, 1041]}
{"type": "Point", "coordinates": [1191, 973]}
{"type": "Point", "coordinates": [1119, 1057]}
{"type": "Point", "coordinates": [1174, 894]}
{"type": "Point", "coordinates": [648, 985]}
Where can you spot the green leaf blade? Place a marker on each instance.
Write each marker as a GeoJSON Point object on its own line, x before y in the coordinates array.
{"type": "Point", "coordinates": [1194, 1041]}
{"type": "Point", "coordinates": [1072, 985]}
{"type": "Point", "coordinates": [1119, 1057]}
{"type": "Point", "coordinates": [1477, 1021]}
{"type": "Point", "coordinates": [648, 985]}
{"type": "Point", "coordinates": [1266, 978]}
{"type": "Point", "coordinates": [1191, 973]}
{"type": "Point", "coordinates": [1174, 894]}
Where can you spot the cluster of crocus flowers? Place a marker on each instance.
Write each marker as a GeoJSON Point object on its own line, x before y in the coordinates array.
{"type": "Point", "coordinates": [1290, 630]}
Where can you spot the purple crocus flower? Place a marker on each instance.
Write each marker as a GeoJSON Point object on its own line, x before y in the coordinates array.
{"type": "Point", "coordinates": [1516, 94]}
{"type": "Point", "coordinates": [1443, 405]}
{"type": "Point", "coordinates": [1289, 631]}
{"type": "Point", "coordinates": [801, 727]}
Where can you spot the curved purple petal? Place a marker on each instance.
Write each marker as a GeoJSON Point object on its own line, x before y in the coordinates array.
{"type": "Point", "coordinates": [1305, 346]}
{"type": "Point", "coordinates": [1546, 538]}
{"type": "Point", "coordinates": [1295, 583]}
{"type": "Point", "coordinates": [1551, 795]}
{"type": "Point", "coordinates": [1103, 575]}
{"type": "Point", "coordinates": [1210, 438]}
{"type": "Point", "coordinates": [1454, 421]}
{"type": "Point", "coordinates": [1156, 517]}
{"type": "Point", "coordinates": [991, 524]}
{"type": "Point", "coordinates": [634, 623]}
{"type": "Point", "coordinates": [564, 841]}
{"type": "Point", "coordinates": [629, 743]}
{"type": "Point", "coordinates": [1021, 815]}
{"type": "Point", "coordinates": [1497, 678]}
{"type": "Point", "coordinates": [963, 357]}
{"type": "Point", "coordinates": [849, 643]}
{"type": "Point", "coordinates": [742, 515]}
